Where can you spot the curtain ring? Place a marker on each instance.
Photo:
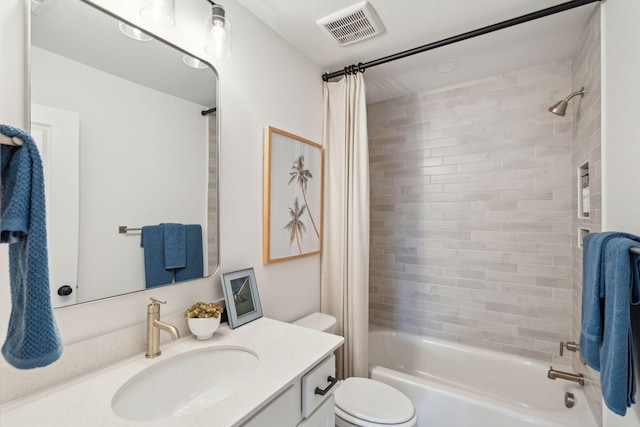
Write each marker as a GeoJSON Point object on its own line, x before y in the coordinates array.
{"type": "Point", "coordinates": [361, 67]}
{"type": "Point", "coordinates": [346, 70]}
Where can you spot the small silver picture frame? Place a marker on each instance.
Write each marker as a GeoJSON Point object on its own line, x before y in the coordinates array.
{"type": "Point", "coordinates": [241, 297]}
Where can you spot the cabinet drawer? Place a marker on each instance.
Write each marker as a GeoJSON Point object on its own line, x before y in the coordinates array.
{"type": "Point", "coordinates": [317, 385]}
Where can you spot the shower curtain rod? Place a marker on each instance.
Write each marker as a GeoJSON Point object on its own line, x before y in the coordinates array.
{"type": "Point", "coordinates": [360, 67]}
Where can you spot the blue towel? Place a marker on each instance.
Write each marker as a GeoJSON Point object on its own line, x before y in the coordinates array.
{"type": "Point", "coordinates": [152, 240]}
{"type": "Point", "coordinates": [175, 246]}
{"type": "Point", "coordinates": [617, 378]}
{"type": "Point", "coordinates": [32, 338]}
{"type": "Point", "coordinates": [193, 269]}
{"type": "Point", "coordinates": [593, 293]}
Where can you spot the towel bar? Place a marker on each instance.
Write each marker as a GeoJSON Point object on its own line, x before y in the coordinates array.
{"type": "Point", "coordinates": [635, 251]}
{"type": "Point", "coordinates": [123, 229]}
{"type": "Point", "coordinates": [15, 141]}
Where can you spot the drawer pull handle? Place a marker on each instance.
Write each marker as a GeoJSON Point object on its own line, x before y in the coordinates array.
{"type": "Point", "coordinates": [332, 382]}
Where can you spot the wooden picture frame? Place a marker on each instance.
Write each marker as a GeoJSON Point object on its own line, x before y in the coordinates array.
{"type": "Point", "coordinates": [241, 297]}
{"type": "Point", "coordinates": [293, 185]}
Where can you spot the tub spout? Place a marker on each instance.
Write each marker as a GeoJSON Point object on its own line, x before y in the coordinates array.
{"type": "Point", "coordinates": [553, 374]}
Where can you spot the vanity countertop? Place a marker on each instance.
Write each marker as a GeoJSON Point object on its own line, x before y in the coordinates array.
{"type": "Point", "coordinates": [285, 351]}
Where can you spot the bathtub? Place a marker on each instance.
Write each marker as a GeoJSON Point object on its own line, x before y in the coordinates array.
{"type": "Point", "coordinates": [453, 385]}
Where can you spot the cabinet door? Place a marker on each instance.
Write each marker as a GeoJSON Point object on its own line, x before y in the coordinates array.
{"type": "Point", "coordinates": [282, 411]}
{"type": "Point", "coordinates": [324, 415]}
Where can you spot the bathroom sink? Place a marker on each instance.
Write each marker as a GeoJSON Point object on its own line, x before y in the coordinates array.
{"type": "Point", "coordinates": [185, 383]}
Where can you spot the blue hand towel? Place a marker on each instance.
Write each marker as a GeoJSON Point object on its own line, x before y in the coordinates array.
{"type": "Point", "coordinates": [152, 240]}
{"type": "Point", "coordinates": [617, 378]}
{"type": "Point", "coordinates": [593, 292]}
{"type": "Point", "coordinates": [32, 338]}
{"type": "Point", "coordinates": [175, 246]}
{"type": "Point", "coordinates": [193, 269]}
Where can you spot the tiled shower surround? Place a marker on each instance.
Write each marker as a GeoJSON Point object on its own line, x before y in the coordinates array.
{"type": "Point", "coordinates": [471, 213]}
{"type": "Point", "coordinates": [586, 148]}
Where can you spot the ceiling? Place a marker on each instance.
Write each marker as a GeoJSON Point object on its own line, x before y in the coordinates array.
{"type": "Point", "coordinates": [412, 23]}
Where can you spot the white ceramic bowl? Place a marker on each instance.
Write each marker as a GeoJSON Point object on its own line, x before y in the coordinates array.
{"type": "Point", "coordinates": [203, 329]}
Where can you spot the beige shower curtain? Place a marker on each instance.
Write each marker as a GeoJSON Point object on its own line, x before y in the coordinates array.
{"type": "Point", "coordinates": [345, 242]}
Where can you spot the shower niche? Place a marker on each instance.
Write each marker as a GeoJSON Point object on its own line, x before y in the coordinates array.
{"type": "Point", "coordinates": [584, 207]}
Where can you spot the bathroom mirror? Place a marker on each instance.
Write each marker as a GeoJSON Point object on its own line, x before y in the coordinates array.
{"type": "Point", "coordinates": [129, 138]}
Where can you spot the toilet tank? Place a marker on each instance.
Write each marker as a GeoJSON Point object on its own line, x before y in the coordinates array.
{"type": "Point", "coordinates": [318, 321]}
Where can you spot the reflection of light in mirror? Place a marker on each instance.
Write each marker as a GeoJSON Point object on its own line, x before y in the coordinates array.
{"type": "Point", "coordinates": [160, 13]}
{"type": "Point", "coordinates": [193, 62]}
{"type": "Point", "coordinates": [133, 32]}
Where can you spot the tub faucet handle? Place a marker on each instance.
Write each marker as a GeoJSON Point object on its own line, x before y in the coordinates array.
{"type": "Point", "coordinates": [570, 346]}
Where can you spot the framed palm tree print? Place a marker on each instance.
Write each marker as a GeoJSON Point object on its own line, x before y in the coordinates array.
{"type": "Point", "coordinates": [292, 220]}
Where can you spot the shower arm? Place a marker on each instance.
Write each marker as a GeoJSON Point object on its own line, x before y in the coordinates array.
{"type": "Point", "coordinates": [578, 92]}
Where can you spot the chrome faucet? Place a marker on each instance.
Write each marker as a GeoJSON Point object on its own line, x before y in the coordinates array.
{"type": "Point", "coordinates": [153, 328]}
{"type": "Point", "coordinates": [553, 374]}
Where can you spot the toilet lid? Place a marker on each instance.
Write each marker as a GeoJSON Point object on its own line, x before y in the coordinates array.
{"type": "Point", "coordinates": [373, 401]}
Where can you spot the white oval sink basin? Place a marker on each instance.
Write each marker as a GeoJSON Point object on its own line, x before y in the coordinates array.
{"type": "Point", "coordinates": [185, 383]}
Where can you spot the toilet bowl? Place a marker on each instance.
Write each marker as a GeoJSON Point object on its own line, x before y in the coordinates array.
{"type": "Point", "coordinates": [364, 402]}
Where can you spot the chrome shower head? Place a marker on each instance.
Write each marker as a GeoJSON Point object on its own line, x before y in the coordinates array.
{"type": "Point", "coordinates": [560, 108]}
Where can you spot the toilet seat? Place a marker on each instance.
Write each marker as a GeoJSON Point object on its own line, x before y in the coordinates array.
{"type": "Point", "coordinates": [369, 403]}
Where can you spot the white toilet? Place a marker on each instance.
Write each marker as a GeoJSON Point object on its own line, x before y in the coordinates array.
{"type": "Point", "coordinates": [364, 402]}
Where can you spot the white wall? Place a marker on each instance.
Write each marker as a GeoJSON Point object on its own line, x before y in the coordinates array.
{"type": "Point", "coordinates": [265, 82]}
{"type": "Point", "coordinates": [621, 141]}
{"type": "Point", "coordinates": [124, 162]}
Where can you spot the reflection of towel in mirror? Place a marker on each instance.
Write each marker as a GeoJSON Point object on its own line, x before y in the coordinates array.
{"type": "Point", "coordinates": [32, 337]}
{"type": "Point", "coordinates": [152, 241]}
{"type": "Point", "coordinates": [175, 246]}
{"type": "Point", "coordinates": [193, 268]}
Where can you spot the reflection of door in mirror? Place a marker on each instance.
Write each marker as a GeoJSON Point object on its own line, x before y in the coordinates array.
{"type": "Point", "coordinates": [146, 153]}
{"type": "Point", "coordinates": [57, 136]}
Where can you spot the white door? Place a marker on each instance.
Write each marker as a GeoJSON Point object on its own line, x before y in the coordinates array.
{"type": "Point", "coordinates": [57, 135]}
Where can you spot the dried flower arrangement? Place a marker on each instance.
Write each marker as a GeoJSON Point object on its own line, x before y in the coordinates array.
{"type": "Point", "coordinates": [204, 310]}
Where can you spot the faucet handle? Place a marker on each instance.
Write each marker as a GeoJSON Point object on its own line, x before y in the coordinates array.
{"type": "Point", "coordinates": [570, 346]}
{"type": "Point", "coordinates": [157, 301]}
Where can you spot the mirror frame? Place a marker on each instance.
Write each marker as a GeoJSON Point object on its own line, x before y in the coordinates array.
{"type": "Point", "coordinates": [27, 115]}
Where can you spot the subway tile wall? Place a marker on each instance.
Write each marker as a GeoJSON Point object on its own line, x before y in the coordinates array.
{"type": "Point", "coordinates": [586, 148]}
{"type": "Point", "coordinates": [472, 213]}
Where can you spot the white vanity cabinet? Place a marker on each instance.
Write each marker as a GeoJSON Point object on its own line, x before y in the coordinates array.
{"type": "Point", "coordinates": [300, 405]}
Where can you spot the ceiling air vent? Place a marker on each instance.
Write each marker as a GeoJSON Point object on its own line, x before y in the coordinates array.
{"type": "Point", "coordinates": [353, 24]}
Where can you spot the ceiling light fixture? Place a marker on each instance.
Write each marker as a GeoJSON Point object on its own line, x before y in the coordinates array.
{"type": "Point", "coordinates": [219, 45]}
{"type": "Point", "coordinates": [133, 32]}
{"type": "Point", "coordinates": [160, 13]}
{"type": "Point", "coordinates": [446, 66]}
